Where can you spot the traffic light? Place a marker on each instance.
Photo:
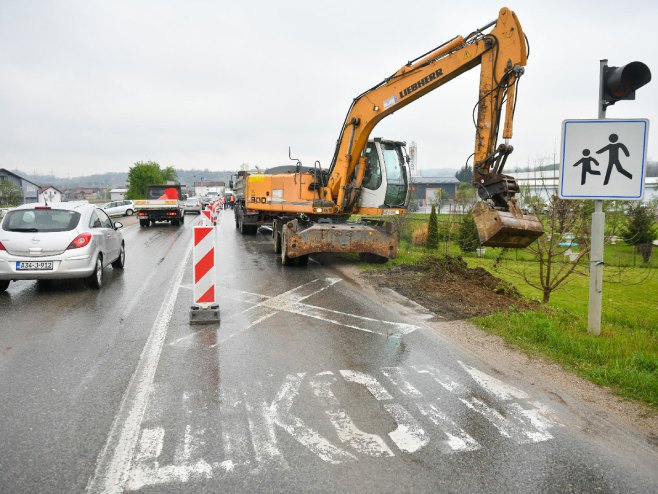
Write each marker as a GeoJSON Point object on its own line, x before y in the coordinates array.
{"type": "Point", "coordinates": [619, 83]}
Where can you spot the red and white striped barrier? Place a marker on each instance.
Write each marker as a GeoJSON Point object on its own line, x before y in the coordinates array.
{"type": "Point", "coordinates": [207, 217]}
{"type": "Point", "coordinates": [205, 308]}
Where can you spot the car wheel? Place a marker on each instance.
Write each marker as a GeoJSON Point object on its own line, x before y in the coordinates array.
{"type": "Point", "coordinates": [121, 260]}
{"type": "Point", "coordinates": [129, 212]}
{"type": "Point", "coordinates": [95, 280]}
{"type": "Point", "coordinates": [4, 284]}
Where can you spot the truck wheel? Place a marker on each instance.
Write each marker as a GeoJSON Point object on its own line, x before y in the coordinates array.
{"type": "Point", "coordinates": [182, 219]}
{"type": "Point", "coordinates": [285, 260]}
{"type": "Point", "coordinates": [143, 223]}
{"type": "Point", "coordinates": [242, 227]}
{"type": "Point", "coordinates": [277, 243]}
{"type": "Point", "coordinates": [175, 222]}
{"type": "Point", "coordinates": [302, 260]}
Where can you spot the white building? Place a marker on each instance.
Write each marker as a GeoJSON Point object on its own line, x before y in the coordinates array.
{"type": "Point", "coordinates": [117, 194]}
{"type": "Point", "coordinates": [48, 193]}
{"type": "Point", "coordinates": [544, 184]}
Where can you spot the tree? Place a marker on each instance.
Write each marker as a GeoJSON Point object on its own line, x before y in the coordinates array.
{"type": "Point", "coordinates": [640, 228]}
{"type": "Point", "coordinates": [467, 237]}
{"type": "Point", "coordinates": [464, 197]}
{"type": "Point", "coordinates": [433, 230]}
{"type": "Point", "coordinates": [146, 173]}
{"type": "Point", "coordinates": [10, 194]}
{"type": "Point", "coordinates": [559, 251]}
{"type": "Point", "coordinates": [640, 224]}
{"type": "Point", "coordinates": [465, 174]}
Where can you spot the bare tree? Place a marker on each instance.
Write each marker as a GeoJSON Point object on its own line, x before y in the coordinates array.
{"type": "Point", "coordinates": [559, 251]}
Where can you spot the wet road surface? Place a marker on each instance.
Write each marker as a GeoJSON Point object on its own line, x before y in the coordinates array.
{"type": "Point", "coordinates": [308, 384]}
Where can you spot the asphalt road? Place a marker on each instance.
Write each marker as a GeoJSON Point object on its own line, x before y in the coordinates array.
{"type": "Point", "coordinates": [309, 384]}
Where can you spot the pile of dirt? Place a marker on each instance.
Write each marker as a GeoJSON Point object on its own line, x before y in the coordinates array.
{"type": "Point", "coordinates": [449, 288]}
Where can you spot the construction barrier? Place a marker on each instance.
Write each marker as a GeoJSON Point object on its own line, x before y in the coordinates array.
{"type": "Point", "coordinates": [207, 217]}
{"type": "Point", "coordinates": [205, 308]}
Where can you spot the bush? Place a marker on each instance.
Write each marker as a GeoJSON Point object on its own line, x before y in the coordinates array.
{"type": "Point", "coordinates": [419, 236]}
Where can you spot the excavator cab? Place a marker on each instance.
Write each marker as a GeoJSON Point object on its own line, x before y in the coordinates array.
{"type": "Point", "coordinates": [386, 178]}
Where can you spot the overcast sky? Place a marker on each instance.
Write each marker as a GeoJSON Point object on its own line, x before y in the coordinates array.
{"type": "Point", "coordinates": [92, 86]}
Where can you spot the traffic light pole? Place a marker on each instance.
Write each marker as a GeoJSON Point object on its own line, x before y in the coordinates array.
{"type": "Point", "coordinates": [596, 244]}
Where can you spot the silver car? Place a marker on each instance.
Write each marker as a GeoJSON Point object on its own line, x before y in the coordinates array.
{"type": "Point", "coordinates": [61, 240]}
{"type": "Point", "coordinates": [119, 208]}
{"type": "Point", "coordinates": [192, 204]}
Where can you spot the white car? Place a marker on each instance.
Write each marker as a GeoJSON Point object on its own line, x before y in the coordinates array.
{"type": "Point", "coordinates": [61, 240]}
{"type": "Point", "coordinates": [119, 208]}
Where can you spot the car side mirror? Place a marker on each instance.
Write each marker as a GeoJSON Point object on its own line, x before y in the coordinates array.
{"type": "Point", "coordinates": [118, 225]}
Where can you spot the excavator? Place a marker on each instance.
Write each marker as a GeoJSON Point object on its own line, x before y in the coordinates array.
{"type": "Point", "coordinates": [308, 207]}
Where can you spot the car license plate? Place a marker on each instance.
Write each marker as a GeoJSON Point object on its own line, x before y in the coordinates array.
{"type": "Point", "coordinates": [34, 265]}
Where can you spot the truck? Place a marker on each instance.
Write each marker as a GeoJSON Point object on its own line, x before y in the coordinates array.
{"type": "Point", "coordinates": [162, 203]}
{"type": "Point", "coordinates": [309, 208]}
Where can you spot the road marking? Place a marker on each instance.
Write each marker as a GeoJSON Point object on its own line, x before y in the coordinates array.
{"type": "Point", "coordinates": [281, 416]}
{"type": "Point", "coordinates": [113, 463]}
{"type": "Point", "coordinates": [458, 439]}
{"type": "Point", "coordinates": [263, 307]}
{"type": "Point", "coordinates": [251, 426]}
{"type": "Point", "coordinates": [363, 442]}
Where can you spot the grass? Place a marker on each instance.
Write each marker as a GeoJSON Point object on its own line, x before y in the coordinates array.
{"type": "Point", "coordinates": [624, 357]}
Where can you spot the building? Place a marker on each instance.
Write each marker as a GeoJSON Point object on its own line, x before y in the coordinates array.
{"type": "Point", "coordinates": [117, 194]}
{"type": "Point", "coordinates": [431, 190]}
{"type": "Point", "coordinates": [84, 193]}
{"type": "Point", "coordinates": [544, 184]}
{"type": "Point", "coordinates": [203, 187]}
{"type": "Point", "coordinates": [48, 193]}
{"type": "Point", "coordinates": [30, 189]}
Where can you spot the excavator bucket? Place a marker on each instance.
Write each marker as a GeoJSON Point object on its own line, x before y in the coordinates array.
{"type": "Point", "coordinates": [511, 228]}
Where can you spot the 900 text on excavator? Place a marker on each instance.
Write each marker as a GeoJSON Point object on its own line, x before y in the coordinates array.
{"type": "Point", "coordinates": [308, 207]}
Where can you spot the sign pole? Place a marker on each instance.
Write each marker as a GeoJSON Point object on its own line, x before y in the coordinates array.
{"type": "Point", "coordinates": [596, 247]}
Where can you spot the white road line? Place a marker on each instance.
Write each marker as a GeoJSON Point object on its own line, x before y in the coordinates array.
{"type": "Point", "coordinates": [369, 382]}
{"type": "Point", "coordinates": [114, 461]}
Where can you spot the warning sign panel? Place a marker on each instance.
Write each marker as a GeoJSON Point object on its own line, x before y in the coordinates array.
{"type": "Point", "coordinates": [603, 159]}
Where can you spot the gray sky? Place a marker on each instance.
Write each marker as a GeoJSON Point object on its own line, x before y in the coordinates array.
{"type": "Point", "coordinates": [92, 86]}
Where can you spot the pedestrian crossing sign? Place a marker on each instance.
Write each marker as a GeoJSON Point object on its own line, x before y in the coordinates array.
{"type": "Point", "coordinates": [603, 159]}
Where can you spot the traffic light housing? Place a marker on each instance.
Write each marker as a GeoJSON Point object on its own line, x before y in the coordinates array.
{"type": "Point", "coordinates": [620, 83]}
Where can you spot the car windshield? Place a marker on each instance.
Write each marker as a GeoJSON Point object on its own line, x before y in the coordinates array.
{"type": "Point", "coordinates": [40, 220]}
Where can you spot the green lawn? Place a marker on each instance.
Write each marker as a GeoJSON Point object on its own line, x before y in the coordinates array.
{"type": "Point", "coordinates": [624, 356]}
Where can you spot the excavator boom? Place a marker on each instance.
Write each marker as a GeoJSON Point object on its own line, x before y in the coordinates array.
{"type": "Point", "coordinates": [502, 55]}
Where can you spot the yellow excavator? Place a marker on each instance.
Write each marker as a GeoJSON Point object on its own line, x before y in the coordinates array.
{"type": "Point", "coordinates": [308, 207]}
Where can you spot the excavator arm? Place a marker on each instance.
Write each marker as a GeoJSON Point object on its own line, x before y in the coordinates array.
{"type": "Point", "coordinates": [502, 54]}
